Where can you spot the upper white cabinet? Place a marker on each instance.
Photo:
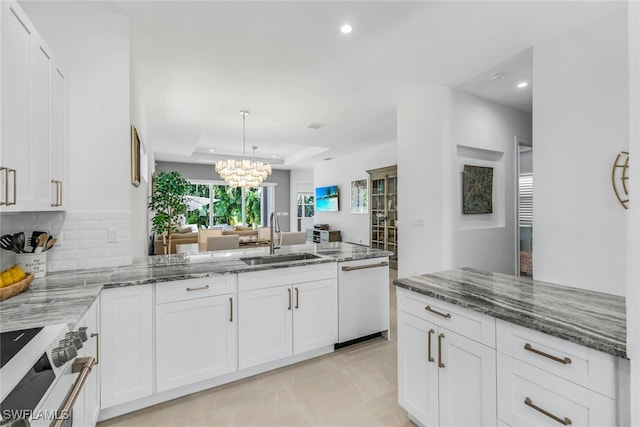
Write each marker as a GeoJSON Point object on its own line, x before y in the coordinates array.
{"type": "Point", "coordinates": [33, 118]}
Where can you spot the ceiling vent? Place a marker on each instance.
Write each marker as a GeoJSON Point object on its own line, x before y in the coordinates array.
{"type": "Point", "coordinates": [328, 158]}
{"type": "Point", "coordinates": [316, 125]}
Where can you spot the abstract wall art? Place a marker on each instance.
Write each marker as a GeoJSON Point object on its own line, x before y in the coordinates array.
{"type": "Point", "coordinates": [477, 190]}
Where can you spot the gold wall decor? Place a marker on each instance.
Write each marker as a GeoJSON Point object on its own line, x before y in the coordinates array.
{"type": "Point", "coordinates": [620, 177]}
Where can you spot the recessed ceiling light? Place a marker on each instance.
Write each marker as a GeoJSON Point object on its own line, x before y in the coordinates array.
{"type": "Point", "coordinates": [211, 150]}
{"type": "Point", "coordinates": [523, 84]}
{"type": "Point", "coordinates": [346, 29]}
{"type": "Point", "coordinates": [274, 156]}
{"type": "Point", "coordinates": [316, 125]}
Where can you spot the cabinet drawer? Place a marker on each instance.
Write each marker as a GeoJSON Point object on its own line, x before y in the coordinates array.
{"type": "Point", "coordinates": [537, 398]}
{"type": "Point", "coordinates": [465, 322]}
{"type": "Point", "coordinates": [589, 368]}
{"type": "Point", "coordinates": [181, 290]}
{"type": "Point", "coordinates": [286, 276]}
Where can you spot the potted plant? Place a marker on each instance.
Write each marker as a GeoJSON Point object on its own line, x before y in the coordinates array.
{"type": "Point", "coordinates": [168, 203]}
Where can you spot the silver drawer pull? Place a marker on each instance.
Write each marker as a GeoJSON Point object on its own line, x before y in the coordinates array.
{"type": "Point", "coordinates": [431, 310]}
{"type": "Point", "coordinates": [201, 288]}
{"type": "Point", "coordinates": [564, 421]}
{"type": "Point", "coordinates": [565, 361]}
{"type": "Point", "coordinates": [361, 267]}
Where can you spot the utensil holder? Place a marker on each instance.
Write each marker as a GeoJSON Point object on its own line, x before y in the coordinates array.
{"type": "Point", "coordinates": [33, 263]}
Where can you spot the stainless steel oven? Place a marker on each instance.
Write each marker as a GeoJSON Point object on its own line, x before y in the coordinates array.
{"type": "Point", "coordinates": [41, 376]}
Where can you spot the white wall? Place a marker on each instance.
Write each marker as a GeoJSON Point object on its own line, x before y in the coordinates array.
{"type": "Point", "coordinates": [92, 46]}
{"type": "Point", "coordinates": [483, 134]}
{"type": "Point", "coordinates": [439, 131]}
{"type": "Point", "coordinates": [353, 227]}
{"type": "Point", "coordinates": [580, 124]}
{"type": "Point", "coordinates": [633, 215]}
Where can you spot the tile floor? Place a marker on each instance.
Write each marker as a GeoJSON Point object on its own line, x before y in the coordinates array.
{"type": "Point", "coordinates": [354, 386]}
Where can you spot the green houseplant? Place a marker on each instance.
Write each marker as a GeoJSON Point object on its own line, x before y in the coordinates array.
{"type": "Point", "coordinates": [168, 203]}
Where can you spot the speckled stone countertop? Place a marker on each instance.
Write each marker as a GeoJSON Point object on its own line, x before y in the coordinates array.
{"type": "Point", "coordinates": [64, 297]}
{"type": "Point", "coordinates": [593, 319]}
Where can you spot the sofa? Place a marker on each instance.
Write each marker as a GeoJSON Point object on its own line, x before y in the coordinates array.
{"type": "Point", "coordinates": [246, 234]}
{"type": "Point", "coordinates": [184, 236]}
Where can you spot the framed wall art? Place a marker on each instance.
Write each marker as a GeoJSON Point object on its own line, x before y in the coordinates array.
{"type": "Point", "coordinates": [477, 190]}
{"type": "Point", "coordinates": [360, 196]}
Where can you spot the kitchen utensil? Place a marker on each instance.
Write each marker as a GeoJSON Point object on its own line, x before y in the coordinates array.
{"type": "Point", "coordinates": [52, 240]}
{"type": "Point", "coordinates": [6, 242]}
{"type": "Point", "coordinates": [41, 241]}
{"type": "Point", "coordinates": [17, 241]}
{"type": "Point", "coordinates": [33, 240]}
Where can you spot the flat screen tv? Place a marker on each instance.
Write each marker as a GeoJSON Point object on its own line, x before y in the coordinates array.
{"type": "Point", "coordinates": [327, 199]}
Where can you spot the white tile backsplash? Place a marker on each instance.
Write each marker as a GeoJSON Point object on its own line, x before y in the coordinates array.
{"type": "Point", "coordinates": [82, 236]}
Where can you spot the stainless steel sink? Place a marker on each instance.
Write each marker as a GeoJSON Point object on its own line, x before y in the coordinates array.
{"type": "Point", "coordinates": [273, 259]}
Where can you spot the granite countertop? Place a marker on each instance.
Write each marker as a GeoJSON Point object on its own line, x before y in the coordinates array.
{"type": "Point", "coordinates": [593, 319]}
{"type": "Point", "coordinates": [64, 297]}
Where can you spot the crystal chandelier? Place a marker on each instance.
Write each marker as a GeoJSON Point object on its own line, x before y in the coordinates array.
{"type": "Point", "coordinates": [243, 173]}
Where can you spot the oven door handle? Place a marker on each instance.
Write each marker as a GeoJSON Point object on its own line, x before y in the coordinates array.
{"type": "Point", "coordinates": [84, 366]}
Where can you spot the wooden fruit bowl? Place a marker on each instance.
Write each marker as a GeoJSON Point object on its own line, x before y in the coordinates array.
{"type": "Point", "coordinates": [16, 288]}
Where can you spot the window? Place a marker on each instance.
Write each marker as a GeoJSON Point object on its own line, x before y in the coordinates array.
{"type": "Point", "coordinates": [211, 204]}
{"type": "Point", "coordinates": [305, 204]}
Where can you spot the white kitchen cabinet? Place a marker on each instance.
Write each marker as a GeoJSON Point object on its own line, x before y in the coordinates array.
{"type": "Point", "coordinates": [126, 344]}
{"type": "Point", "coordinates": [31, 119]}
{"type": "Point", "coordinates": [445, 378]}
{"type": "Point", "coordinates": [87, 406]}
{"type": "Point", "coordinates": [286, 312]}
{"type": "Point", "coordinates": [544, 380]}
{"type": "Point", "coordinates": [196, 332]}
{"type": "Point", "coordinates": [58, 138]}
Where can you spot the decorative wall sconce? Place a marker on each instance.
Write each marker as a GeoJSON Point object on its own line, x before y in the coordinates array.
{"type": "Point", "coordinates": [620, 177]}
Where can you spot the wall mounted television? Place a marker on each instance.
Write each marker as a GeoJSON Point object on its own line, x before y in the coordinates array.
{"type": "Point", "coordinates": [327, 199]}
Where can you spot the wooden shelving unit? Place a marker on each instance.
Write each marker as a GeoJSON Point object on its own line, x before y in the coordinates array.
{"type": "Point", "coordinates": [383, 217]}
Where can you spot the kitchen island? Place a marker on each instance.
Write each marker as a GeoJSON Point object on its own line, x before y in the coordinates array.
{"type": "Point", "coordinates": [168, 326]}
{"type": "Point", "coordinates": [510, 350]}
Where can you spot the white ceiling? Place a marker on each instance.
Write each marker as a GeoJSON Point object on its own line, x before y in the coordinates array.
{"type": "Point", "coordinates": [196, 64]}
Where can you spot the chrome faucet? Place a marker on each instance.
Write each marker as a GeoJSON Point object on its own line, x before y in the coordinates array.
{"type": "Point", "coordinates": [274, 227]}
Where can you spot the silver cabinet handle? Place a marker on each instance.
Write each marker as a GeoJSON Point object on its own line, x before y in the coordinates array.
{"type": "Point", "coordinates": [431, 310]}
{"type": "Point", "coordinates": [564, 361]}
{"type": "Point", "coordinates": [431, 332]}
{"type": "Point", "coordinates": [297, 298]}
{"type": "Point", "coordinates": [361, 267]}
{"type": "Point", "coordinates": [97, 336]}
{"type": "Point", "coordinates": [58, 185]}
{"type": "Point", "coordinates": [564, 421]}
{"type": "Point", "coordinates": [6, 186]}
{"type": "Point", "coordinates": [231, 309]}
{"type": "Point", "coordinates": [289, 290]}
{"type": "Point", "coordinates": [15, 186]}
{"type": "Point", "coordinates": [84, 366]}
{"type": "Point", "coordinates": [201, 288]}
{"type": "Point", "coordinates": [440, 338]}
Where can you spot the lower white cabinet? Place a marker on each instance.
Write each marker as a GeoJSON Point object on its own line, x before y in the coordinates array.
{"type": "Point", "coordinates": [281, 321]}
{"type": "Point", "coordinates": [87, 406]}
{"type": "Point", "coordinates": [126, 344]}
{"type": "Point", "coordinates": [196, 338]}
{"type": "Point", "coordinates": [444, 378]}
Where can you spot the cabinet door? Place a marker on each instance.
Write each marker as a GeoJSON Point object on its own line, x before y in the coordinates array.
{"type": "Point", "coordinates": [195, 340]}
{"type": "Point", "coordinates": [467, 381]}
{"type": "Point", "coordinates": [58, 135]}
{"type": "Point", "coordinates": [37, 187]}
{"type": "Point", "coordinates": [417, 368]}
{"type": "Point", "coordinates": [126, 351]}
{"type": "Point", "coordinates": [91, 346]}
{"type": "Point", "coordinates": [315, 315]}
{"type": "Point", "coordinates": [265, 325]}
{"type": "Point", "coordinates": [16, 47]}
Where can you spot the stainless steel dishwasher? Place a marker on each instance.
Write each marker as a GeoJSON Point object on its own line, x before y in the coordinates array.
{"type": "Point", "coordinates": [363, 298]}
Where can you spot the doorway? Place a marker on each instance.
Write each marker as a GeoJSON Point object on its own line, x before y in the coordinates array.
{"type": "Point", "coordinates": [524, 208]}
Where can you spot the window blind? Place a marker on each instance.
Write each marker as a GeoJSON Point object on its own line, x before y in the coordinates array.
{"type": "Point", "coordinates": [525, 199]}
